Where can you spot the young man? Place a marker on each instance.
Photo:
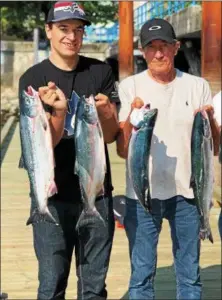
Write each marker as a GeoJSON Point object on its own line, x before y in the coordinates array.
{"type": "Point", "coordinates": [56, 78]}
{"type": "Point", "coordinates": [177, 96]}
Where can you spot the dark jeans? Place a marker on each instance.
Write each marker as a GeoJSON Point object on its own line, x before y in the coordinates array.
{"type": "Point", "coordinates": [54, 247]}
{"type": "Point", "coordinates": [143, 231]}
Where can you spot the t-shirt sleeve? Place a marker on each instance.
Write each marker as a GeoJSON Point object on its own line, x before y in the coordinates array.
{"type": "Point", "coordinates": [207, 96]}
{"type": "Point", "coordinates": [26, 80]}
{"type": "Point", "coordinates": [217, 107]}
{"type": "Point", "coordinates": [108, 86]}
{"type": "Point", "coordinates": [126, 98]}
{"type": "Point", "coordinates": [23, 85]}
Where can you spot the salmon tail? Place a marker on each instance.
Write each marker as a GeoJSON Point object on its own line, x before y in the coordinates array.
{"type": "Point", "coordinates": [148, 200]}
{"type": "Point", "coordinates": [210, 236]}
{"type": "Point", "coordinates": [37, 217]}
{"type": "Point", "coordinates": [21, 164]}
{"type": "Point", "coordinates": [206, 234]}
{"type": "Point", "coordinates": [89, 216]}
{"type": "Point", "coordinates": [192, 181]}
{"type": "Point", "coordinates": [52, 189]}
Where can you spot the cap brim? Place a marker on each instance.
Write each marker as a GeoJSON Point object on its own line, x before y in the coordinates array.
{"type": "Point", "coordinates": [158, 37]}
{"type": "Point", "coordinates": [87, 22]}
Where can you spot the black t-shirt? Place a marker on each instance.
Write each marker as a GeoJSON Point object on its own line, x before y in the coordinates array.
{"type": "Point", "coordinates": [91, 76]}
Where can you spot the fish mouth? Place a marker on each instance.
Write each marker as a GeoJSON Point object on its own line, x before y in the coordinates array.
{"type": "Point", "coordinates": [30, 91]}
{"type": "Point", "coordinates": [204, 114]}
{"type": "Point", "coordinates": [29, 106]}
{"type": "Point", "coordinates": [206, 124]}
{"type": "Point", "coordinates": [152, 112]}
{"type": "Point", "coordinates": [90, 100]}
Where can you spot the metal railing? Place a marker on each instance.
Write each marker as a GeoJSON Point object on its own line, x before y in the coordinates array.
{"type": "Point", "coordinates": [102, 34]}
{"type": "Point", "coordinates": [149, 10]}
{"type": "Point", "coordinates": [158, 9]}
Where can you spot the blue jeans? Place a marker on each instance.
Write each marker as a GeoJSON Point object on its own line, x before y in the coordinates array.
{"type": "Point", "coordinates": [143, 231]}
{"type": "Point", "coordinates": [54, 247]}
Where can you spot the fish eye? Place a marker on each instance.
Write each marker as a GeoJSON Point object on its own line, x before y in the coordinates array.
{"type": "Point", "coordinates": [27, 100]}
{"type": "Point", "coordinates": [87, 107]}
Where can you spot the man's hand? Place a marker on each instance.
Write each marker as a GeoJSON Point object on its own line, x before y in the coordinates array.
{"type": "Point", "coordinates": [104, 107]}
{"type": "Point", "coordinates": [54, 97]}
{"type": "Point", "coordinates": [214, 126]}
{"type": "Point", "coordinates": [137, 103]}
{"type": "Point", "coordinates": [208, 109]}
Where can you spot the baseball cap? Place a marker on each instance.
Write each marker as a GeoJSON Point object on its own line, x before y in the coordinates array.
{"type": "Point", "coordinates": [61, 11]}
{"type": "Point", "coordinates": [157, 29]}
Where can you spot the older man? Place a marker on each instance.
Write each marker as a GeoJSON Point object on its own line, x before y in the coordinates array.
{"type": "Point", "coordinates": [177, 96]}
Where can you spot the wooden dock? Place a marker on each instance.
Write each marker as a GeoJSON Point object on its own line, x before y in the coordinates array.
{"type": "Point", "coordinates": [18, 262]}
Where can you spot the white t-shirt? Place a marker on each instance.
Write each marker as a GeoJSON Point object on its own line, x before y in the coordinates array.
{"type": "Point", "coordinates": [170, 156]}
{"type": "Point", "coordinates": [217, 107]}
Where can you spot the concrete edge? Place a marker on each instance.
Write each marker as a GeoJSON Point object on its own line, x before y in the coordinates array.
{"type": "Point", "coordinates": [6, 127]}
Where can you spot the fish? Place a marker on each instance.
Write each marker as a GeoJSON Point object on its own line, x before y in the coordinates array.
{"type": "Point", "coordinates": [37, 155]}
{"type": "Point", "coordinates": [202, 175]}
{"type": "Point", "coordinates": [90, 163]}
{"type": "Point", "coordinates": [139, 151]}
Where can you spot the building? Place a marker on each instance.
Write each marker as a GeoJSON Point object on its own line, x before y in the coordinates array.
{"type": "Point", "coordinates": [185, 16]}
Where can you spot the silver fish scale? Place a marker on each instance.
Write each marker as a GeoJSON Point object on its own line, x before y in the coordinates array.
{"type": "Point", "coordinates": [36, 160]}
{"type": "Point", "coordinates": [138, 157]}
{"type": "Point", "coordinates": [90, 165]}
{"type": "Point", "coordinates": [38, 157]}
{"type": "Point", "coordinates": [208, 180]}
{"type": "Point", "coordinates": [202, 171]}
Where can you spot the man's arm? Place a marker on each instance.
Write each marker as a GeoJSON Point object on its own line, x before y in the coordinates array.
{"type": "Point", "coordinates": [126, 127]}
{"type": "Point", "coordinates": [215, 129]}
{"type": "Point", "coordinates": [123, 138]}
{"type": "Point", "coordinates": [207, 105]}
{"type": "Point", "coordinates": [57, 122]}
{"type": "Point", "coordinates": [108, 118]}
{"type": "Point", "coordinates": [107, 110]}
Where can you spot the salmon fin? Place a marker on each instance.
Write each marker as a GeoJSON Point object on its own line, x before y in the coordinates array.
{"type": "Point", "coordinates": [206, 234]}
{"type": "Point", "coordinates": [37, 217]}
{"type": "Point", "coordinates": [44, 123]}
{"type": "Point", "coordinates": [76, 167]}
{"type": "Point", "coordinates": [88, 216]}
{"type": "Point", "coordinates": [54, 162]}
{"type": "Point", "coordinates": [52, 189]}
{"type": "Point", "coordinates": [148, 200]}
{"type": "Point", "coordinates": [70, 116]}
{"type": "Point", "coordinates": [21, 164]}
{"type": "Point", "coordinates": [192, 181]}
{"type": "Point", "coordinates": [210, 236]}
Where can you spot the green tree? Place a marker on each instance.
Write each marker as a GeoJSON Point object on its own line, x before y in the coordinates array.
{"type": "Point", "coordinates": [19, 18]}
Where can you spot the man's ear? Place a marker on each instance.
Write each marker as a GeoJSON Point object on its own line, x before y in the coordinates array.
{"type": "Point", "coordinates": [177, 47]}
{"type": "Point", "coordinates": [142, 51]}
{"type": "Point", "coordinates": [48, 28]}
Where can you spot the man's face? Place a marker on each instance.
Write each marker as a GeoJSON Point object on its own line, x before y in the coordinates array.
{"type": "Point", "coordinates": [159, 55]}
{"type": "Point", "coordinates": [66, 37]}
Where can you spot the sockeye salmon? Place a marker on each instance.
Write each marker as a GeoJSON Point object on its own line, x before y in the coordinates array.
{"type": "Point", "coordinates": [138, 154]}
{"type": "Point", "coordinates": [37, 153]}
{"type": "Point", "coordinates": [90, 164]}
{"type": "Point", "coordinates": [202, 170]}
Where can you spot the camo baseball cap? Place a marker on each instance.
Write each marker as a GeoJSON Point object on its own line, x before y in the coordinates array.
{"type": "Point", "coordinates": [67, 11]}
